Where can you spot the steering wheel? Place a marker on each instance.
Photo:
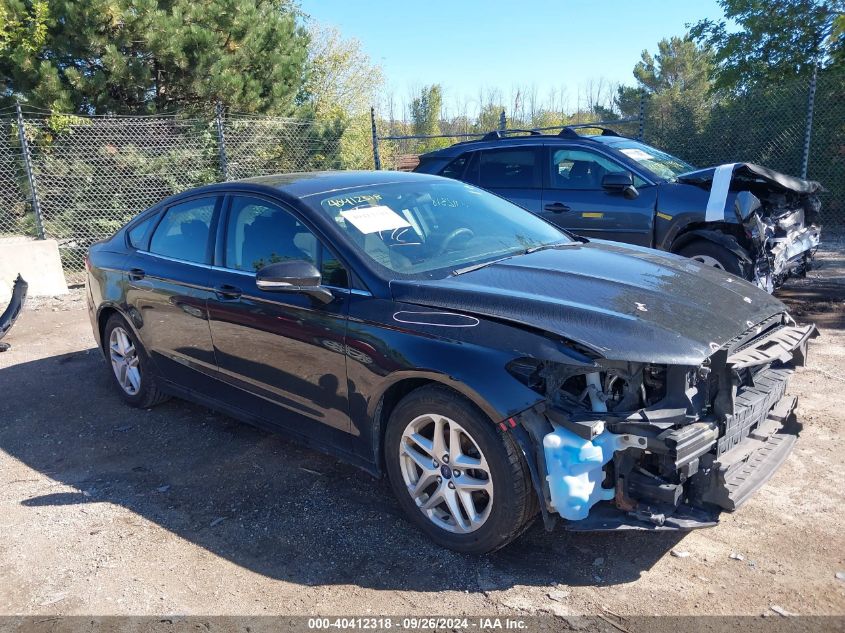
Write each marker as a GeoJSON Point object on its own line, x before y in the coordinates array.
{"type": "Point", "coordinates": [447, 241]}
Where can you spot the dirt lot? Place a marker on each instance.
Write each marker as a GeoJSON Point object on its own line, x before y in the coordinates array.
{"type": "Point", "coordinates": [109, 510]}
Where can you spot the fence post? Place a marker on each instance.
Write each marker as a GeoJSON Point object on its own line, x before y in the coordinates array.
{"type": "Point", "coordinates": [808, 129]}
{"type": "Point", "coordinates": [30, 176]}
{"type": "Point", "coordinates": [376, 157]}
{"type": "Point", "coordinates": [221, 143]}
{"type": "Point", "coordinates": [503, 121]}
{"type": "Point", "coordinates": [642, 115]}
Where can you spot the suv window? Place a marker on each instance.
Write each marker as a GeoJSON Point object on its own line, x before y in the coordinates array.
{"type": "Point", "coordinates": [513, 168]}
{"type": "Point", "coordinates": [583, 169]}
{"type": "Point", "coordinates": [184, 229]}
{"type": "Point", "coordinates": [259, 233]}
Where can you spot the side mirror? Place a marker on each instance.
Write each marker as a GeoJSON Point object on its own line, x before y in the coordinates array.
{"type": "Point", "coordinates": [620, 181]}
{"type": "Point", "coordinates": [295, 275]}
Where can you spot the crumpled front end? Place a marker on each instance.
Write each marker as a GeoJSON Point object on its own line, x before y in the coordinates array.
{"type": "Point", "coordinates": [783, 241]}
{"type": "Point", "coordinates": [779, 215]}
{"type": "Point", "coordinates": [642, 446]}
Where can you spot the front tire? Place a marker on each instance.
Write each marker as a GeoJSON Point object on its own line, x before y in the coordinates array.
{"type": "Point", "coordinates": [711, 254]}
{"type": "Point", "coordinates": [457, 477]}
{"type": "Point", "coordinates": [131, 368]}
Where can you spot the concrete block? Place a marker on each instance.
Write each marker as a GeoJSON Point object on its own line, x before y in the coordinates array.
{"type": "Point", "coordinates": [37, 261]}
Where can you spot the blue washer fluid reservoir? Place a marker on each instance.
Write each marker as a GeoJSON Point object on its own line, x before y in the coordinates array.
{"type": "Point", "coordinates": [574, 467]}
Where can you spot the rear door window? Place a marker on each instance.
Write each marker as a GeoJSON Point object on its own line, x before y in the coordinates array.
{"type": "Point", "coordinates": [512, 168]}
{"type": "Point", "coordinates": [184, 231]}
{"type": "Point", "coordinates": [138, 233]}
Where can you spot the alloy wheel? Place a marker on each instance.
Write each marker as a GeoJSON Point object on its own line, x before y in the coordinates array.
{"type": "Point", "coordinates": [446, 473]}
{"type": "Point", "coordinates": [124, 361]}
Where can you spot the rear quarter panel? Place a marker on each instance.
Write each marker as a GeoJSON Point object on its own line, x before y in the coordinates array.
{"type": "Point", "coordinates": [106, 280]}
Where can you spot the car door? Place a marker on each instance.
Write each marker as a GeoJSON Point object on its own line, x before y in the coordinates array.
{"type": "Point", "coordinates": [574, 198]}
{"type": "Point", "coordinates": [167, 286]}
{"type": "Point", "coordinates": [513, 172]}
{"type": "Point", "coordinates": [283, 350]}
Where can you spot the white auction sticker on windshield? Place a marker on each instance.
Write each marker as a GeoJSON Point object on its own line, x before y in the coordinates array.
{"type": "Point", "coordinates": [375, 219]}
{"type": "Point", "coordinates": [636, 154]}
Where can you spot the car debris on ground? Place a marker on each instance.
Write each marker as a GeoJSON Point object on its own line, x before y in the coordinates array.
{"type": "Point", "coordinates": [13, 310]}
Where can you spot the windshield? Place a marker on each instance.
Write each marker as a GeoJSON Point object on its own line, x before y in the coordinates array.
{"type": "Point", "coordinates": [432, 229]}
{"type": "Point", "coordinates": [659, 163]}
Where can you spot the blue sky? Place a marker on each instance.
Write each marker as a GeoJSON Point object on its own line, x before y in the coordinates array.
{"type": "Point", "coordinates": [467, 45]}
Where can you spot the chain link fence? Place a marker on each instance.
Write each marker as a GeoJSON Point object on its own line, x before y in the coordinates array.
{"type": "Point", "coordinates": [92, 174]}
{"type": "Point", "coordinates": [767, 125]}
{"type": "Point", "coordinates": [86, 176]}
{"type": "Point", "coordinates": [15, 221]}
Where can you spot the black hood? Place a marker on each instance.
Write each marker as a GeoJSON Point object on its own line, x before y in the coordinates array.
{"type": "Point", "coordinates": [626, 303]}
{"type": "Point", "coordinates": [749, 173]}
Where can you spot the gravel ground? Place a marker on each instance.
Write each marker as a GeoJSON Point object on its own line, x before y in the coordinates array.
{"type": "Point", "coordinates": [106, 510]}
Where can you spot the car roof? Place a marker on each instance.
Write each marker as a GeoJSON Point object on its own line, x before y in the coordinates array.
{"type": "Point", "coordinates": [304, 184]}
{"type": "Point", "coordinates": [526, 139]}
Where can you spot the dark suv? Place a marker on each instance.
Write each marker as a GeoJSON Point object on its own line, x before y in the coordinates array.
{"type": "Point", "coordinates": [748, 220]}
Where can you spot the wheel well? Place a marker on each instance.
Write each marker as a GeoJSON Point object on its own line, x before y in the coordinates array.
{"type": "Point", "coordinates": [102, 319]}
{"type": "Point", "coordinates": [688, 234]}
{"type": "Point", "coordinates": [388, 402]}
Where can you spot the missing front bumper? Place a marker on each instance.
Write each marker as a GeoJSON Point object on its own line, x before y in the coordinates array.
{"type": "Point", "coordinates": [723, 484]}
{"type": "Point", "coordinates": [791, 255]}
{"type": "Point", "coordinates": [738, 473]}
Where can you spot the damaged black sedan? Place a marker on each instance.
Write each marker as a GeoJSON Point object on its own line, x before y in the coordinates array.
{"type": "Point", "coordinates": [495, 367]}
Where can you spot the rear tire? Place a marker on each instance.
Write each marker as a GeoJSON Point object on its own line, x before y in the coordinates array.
{"type": "Point", "coordinates": [481, 474]}
{"type": "Point", "coordinates": [711, 254]}
{"type": "Point", "coordinates": [131, 369]}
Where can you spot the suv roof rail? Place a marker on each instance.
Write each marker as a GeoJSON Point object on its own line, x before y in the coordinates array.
{"type": "Point", "coordinates": [496, 134]}
{"type": "Point", "coordinates": [569, 130]}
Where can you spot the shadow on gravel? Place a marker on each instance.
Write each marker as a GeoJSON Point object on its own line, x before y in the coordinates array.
{"type": "Point", "coordinates": [261, 501]}
{"type": "Point", "coordinates": [819, 300]}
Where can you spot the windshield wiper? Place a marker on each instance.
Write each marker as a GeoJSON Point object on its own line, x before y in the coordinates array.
{"type": "Point", "coordinates": [544, 247]}
{"type": "Point", "coordinates": [527, 251]}
{"type": "Point", "coordinates": [471, 267]}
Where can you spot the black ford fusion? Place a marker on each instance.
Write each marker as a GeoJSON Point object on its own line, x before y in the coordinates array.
{"type": "Point", "coordinates": [492, 365]}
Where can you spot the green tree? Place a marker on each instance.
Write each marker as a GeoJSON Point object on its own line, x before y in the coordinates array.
{"type": "Point", "coordinates": [341, 79]}
{"type": "Point", "coordinates": [676, 81]}
{"type": "Point", "coordinates": [144, 56]}
{"type": "Point", "coordinates": [490, 116]}
{"type": "Point", "coordinates": [425, 116]}
{"type": "Point", "coordinates": [776, 39]}
{"type": "Point", "coordinates": [341, 85]}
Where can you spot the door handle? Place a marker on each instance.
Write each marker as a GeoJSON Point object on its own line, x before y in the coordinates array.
{"type": "Point", "coordinates": [136, 274]}
{"type": "Point", "coordinates": [557, 207]}
{"type": "Point", "coordinates": [227, 292]}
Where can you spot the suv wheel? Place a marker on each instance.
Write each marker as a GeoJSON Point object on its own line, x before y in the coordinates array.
{"type": "Point", "coordinates": [130, 365]}
{"type": "Point", "coordinates": [712, 254]}
{"type": "Point", "coordinates": [456, 476]}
